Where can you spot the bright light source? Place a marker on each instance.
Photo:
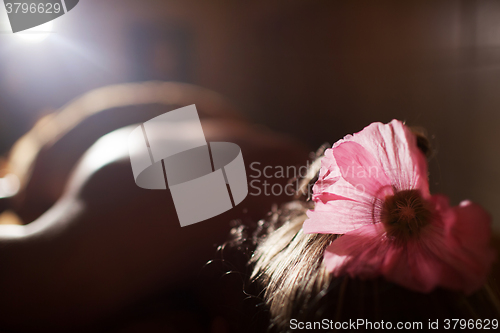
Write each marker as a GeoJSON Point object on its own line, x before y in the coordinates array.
{"type": "Point", "coordinates": [36, 34]}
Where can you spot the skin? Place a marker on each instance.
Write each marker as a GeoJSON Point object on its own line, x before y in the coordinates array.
{"type": "Point", "coordinates": [107, 243]}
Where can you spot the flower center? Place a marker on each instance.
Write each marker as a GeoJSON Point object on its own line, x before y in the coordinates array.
{"type": "Point", "coordinates": [405, 213]}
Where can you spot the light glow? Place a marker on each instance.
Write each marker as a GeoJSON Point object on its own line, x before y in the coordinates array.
{"type": "Point", "coordinates": [9, 185]}
{"type": "Point", "coordinates": [36, 34]}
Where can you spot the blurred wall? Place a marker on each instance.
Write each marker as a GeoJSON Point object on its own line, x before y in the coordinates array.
{"type": "Point", "coordinates": [314, 69]}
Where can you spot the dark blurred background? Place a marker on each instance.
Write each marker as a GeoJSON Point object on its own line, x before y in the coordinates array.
{"type": "Point", "coordinates": [316, 70]}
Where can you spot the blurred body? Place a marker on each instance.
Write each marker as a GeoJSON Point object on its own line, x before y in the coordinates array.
{"type": "Point", "coordinates": [107, 243]}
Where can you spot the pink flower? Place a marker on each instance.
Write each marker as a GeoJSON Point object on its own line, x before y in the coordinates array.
{"type": "Point", "coordinates": [373, 188]}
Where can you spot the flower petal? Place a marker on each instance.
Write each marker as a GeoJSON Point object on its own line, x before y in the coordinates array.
{"type": "Point", "coordinates": [368, 253]}
{"type": "Point", "coordinates": [452, 252]}
{"type": "Point", "coordinates": [360, 169]}
{"type": "Point", "coordinates": [328, 190]}
{"type": "Point", "coordinates": [415, 267]}
{"type": "Point", "coordinates": [358, 253]}
{"type": "Point", "coordinates": [394, 146]}
{"type": "Point", "coordinates": [461, 243]}
{"type": "Point", "coordinates": [338, 217]}
{"type": "Point", "coordinates": [365, 168]}
{"type": "Point", "coordinates": [357, 178]}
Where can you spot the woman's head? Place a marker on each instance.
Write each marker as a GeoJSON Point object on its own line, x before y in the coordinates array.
{"type": "Point", "coordinates": [299, 286]}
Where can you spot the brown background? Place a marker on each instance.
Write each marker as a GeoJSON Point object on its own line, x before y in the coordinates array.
{"type": "Point", "coordinates": [314, 69]}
